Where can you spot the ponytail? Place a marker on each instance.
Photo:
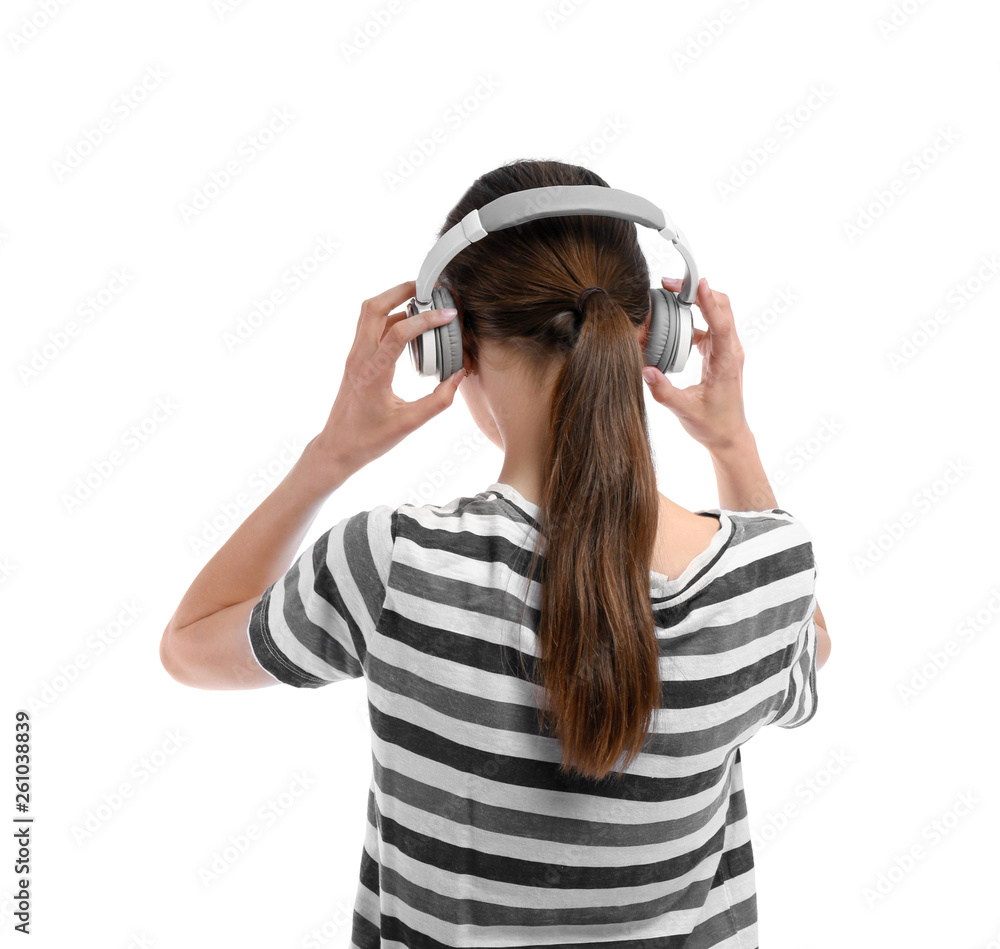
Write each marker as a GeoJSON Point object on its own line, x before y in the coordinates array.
{"type": "Point", "coordinates": [599, 653]}
{"type": "Point", "coordinates": [599, 667]}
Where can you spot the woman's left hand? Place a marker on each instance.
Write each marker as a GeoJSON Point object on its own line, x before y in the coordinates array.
{"type": "Point", "coordinates": [368, 418]}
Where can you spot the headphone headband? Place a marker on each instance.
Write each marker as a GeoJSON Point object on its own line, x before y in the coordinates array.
{"type": "Point", "coordinates": [519, 207]}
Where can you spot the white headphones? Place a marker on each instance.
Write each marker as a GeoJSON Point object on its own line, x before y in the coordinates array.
{"type": "Point", "coordinates": [438, 351]}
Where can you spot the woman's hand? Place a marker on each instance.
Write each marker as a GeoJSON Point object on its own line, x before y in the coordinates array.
{"type": "Point", "coordinates": [368, 418]}
{"type": "Point", "coordinates": [711, 412]}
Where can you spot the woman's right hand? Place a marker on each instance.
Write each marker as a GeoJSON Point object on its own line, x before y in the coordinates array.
{"type": "Point", "coordinates": [711, 412]}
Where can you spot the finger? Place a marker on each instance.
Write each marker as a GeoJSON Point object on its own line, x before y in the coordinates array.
{"type": "Point", "coordinates": [675, 283]}
{"type": "Point", "coordinates": [720, 323]}
{"type": "Point", "coordinates": [391, 320]}
{"type": "Point", "coordinates": [664, 391]}
{"type": "Point", "coordinates": [385, 301]}
{"type": "Point", "coordinates": [375, 310]}
{"type": "Point", "coordinates": [396, 338]}
{"type": "Point", "coordinates": [423, 409]}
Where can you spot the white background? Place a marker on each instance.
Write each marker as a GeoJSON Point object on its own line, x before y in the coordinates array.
{"type": "Point", "coordinates": [891, 463]}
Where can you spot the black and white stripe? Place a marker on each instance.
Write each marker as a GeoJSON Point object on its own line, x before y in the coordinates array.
{"type": "Point", "coordinates": [473, 836]}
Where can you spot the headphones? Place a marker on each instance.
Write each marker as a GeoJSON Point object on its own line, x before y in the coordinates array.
{"type": "Point", "coordinates": [438, 351]}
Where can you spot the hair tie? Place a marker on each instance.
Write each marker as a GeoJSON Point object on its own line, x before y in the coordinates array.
{"type": "Point", "coordinates": [586, 293]}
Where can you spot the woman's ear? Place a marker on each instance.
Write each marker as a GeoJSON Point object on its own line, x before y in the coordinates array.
{"type": "Point", "coordinates": [469, 362]}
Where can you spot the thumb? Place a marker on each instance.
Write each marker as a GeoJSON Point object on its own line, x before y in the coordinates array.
{"type": "Point", "coordinates": [439, 398]}
{"type": "Point", "coordinates": [662, 389]}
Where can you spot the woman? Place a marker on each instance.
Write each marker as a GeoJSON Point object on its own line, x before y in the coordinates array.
{"type": "Point", "coordinates": [562, 668]}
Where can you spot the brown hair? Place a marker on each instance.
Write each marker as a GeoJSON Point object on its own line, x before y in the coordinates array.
{"type": "Point", "coordinates": [599, 662]}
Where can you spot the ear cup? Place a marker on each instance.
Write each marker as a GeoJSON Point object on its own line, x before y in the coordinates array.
{"type": "Point", "coordinates": [447, 339]}
{"type": "Point", "coordinates": [671, 332]}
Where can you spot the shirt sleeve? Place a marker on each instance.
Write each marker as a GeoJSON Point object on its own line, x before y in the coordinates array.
{"type": "Point", "coordinates": [796, 701]}
{"type": "Point", "coordinates": [313, 625]}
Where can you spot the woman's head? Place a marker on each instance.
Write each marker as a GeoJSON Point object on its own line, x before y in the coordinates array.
{"type": "Point", "coordinates": [521, 332]}
{"type": "Point", "coordinates": [517, 289]}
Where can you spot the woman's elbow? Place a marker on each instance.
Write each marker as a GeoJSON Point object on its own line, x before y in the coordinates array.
{"type": "Point", "coordinates": [169, 658]}
{"type": "Point", "coordinates": [822, 646]}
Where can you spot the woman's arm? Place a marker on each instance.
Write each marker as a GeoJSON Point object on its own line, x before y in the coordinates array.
{"type": "Point", "coordinates": [205, 644]}
{"type": "Point", "coordinates": [711, 412]}
{"type": "Point", "coordinates": [743, 486]}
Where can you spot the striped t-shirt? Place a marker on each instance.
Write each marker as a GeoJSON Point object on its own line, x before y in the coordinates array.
{"type": "Point", "coordinates": [474, 837]}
